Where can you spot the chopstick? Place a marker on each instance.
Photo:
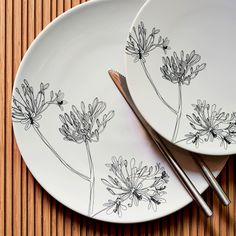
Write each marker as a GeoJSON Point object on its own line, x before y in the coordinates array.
{"type": "Point", "coordinates": [211, 179]}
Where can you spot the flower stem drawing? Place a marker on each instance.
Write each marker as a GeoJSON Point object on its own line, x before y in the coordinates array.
{"type": "Point", "coordinates": [131, 183]}
{"type": "Point", "coordinates": [92, 178]}
{"type": "Point", "coordinates": [140, 45]}
{"type": "Point", "coordinates": [58, 156]}
{"type": "Point", "coordinates": [211, 124]}
{"type": "Point", "coordinates": [181, 70]}
{"type": "Point", "coordinates": [85, 126]}
{"type": "Point", "coordinates": [155, 88]}
{"type": "Point", "coordinates": [179, 113]}
{"type": "Point", "coordinates": [28, 108]}
{"type": "Point", "coordinates": [178, 70]}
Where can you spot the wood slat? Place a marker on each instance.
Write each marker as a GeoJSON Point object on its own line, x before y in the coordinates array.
{"type": "Point", "coordinates": [24, 182]}
{"type": "Point", "coordinates": [16, 154]}
{"type": "Point", "coordinates": [53, 217]}
{"type": "Point", "coordinates": [179, 221]}
{"type": "Point", "coordinates": [38, 190]}
{"type": "Point", "coordinates": [53, 9]}
{"type": "Point", "coordinates": [97, 228]}
{"type": "Point", "coordinates": [68, 222]}
{"type": "Point", "coordinates": [46, 213]}
{"type": "Point", "coordinates": [172, 230]}
{"type": "Point", "coordinates": [46, 200]}
{"type": "Point", "coordinates": [104, 230]}
{"type": "Point", "coordinates": [60, 7]}
{"type": "Point", "coordinates": [75, 2]}
{"type": "Point", "coordinates": [75, 224]}
{"type": "Point", "coordinates": [231, 193]}
{"type": "Point", "coordinates": [60, 220]}
{"type": "Point", "coordinates": [25, 208]}
{"type": "Point", "coordinates": [127, 230]}
{"type": "Point", "coordinates": [67, 5]}
{"type": "Point", "coordinates": [223, 229]}
{"type": "Point", "coordinates": [207, 220]}
{"type": "Point", "coordinates": [2, 116]}
{"type": "Point", "coordinates": [112, 230]}
{"type": "Point", "coordinates": [216, 215]}
{"type": "Point", "coordinates": [8, 137]}
{"type": "Point", "coordinates": [193, 220]}
{"type": "Point", "coordinates": [156, 228]}
{"type": "Point", "coordinates": [30, 179]}
{"type": "Point", "coordinates": [186, 220]}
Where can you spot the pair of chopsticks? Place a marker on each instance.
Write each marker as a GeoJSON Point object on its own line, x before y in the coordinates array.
{"type": "Point", "coordinates": [120, 82]}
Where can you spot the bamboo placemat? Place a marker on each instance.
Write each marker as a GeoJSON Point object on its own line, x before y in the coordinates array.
{"type": "Point", "coordinates": [25, 208]}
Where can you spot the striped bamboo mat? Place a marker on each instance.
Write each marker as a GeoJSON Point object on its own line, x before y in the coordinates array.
{"type": "Point", "coordinates": [25, 208]}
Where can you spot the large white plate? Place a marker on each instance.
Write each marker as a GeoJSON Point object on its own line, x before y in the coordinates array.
{"type": "Point", "coordinates": [185, 84]}
{"type": "Point", "coordinates": [73, 54]}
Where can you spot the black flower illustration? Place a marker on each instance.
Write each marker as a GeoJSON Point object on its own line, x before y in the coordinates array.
{"type": "Point", "coordinates": [194, 138]}
{"type": "Point", "coordinates": [85, 126]}
{"type": "Point", "coordinates": [28, 107]}
{"type": "Point", "coordinates": [182, 69]}
{"type": "Point", "coordinates": [131, 183]}
{"type": "Point", "coordinates": [211, 124]}
{"type": "Point", "coordinates": [140, 43]}
{"type": "Point", "coordinates": [115, 207]}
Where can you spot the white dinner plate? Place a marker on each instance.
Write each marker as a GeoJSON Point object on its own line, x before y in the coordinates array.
{"type": "Point", "coordinates": [180, 59]}
{"type": "Point", "coordinates": [96, 159]}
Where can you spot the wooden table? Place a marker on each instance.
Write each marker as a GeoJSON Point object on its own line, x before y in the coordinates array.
{"type": "Point", "coordinates": [25, 208]}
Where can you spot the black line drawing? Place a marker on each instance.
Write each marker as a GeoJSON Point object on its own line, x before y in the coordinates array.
{"type": "Point", "coordinates": [131, 182]}
{"type": "Point", "coordinates": [140, 45]}
{"type": "Point", "coordinates": [181, 70]}
{"type": "Point", "coordinates": [178, 70]}
{"type": "Point", "coordinates": [28, 108]}
{"type": "Point", "coordinates": [86, 127]}
{"type": "Point", "coordinates": [209, 124]}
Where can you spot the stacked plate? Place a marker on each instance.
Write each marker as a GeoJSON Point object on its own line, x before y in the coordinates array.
{"type": "Point", "coordinates": [78, 136]}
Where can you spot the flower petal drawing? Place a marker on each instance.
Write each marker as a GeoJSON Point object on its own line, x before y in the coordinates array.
{"type": "Point", "coordinates": [140, 44]}
{"type": "Point", "coordinates": [131, 183]}
{"type": "Point", "coordinates": [29, 106]}
{"type": "Point", "coordinates": [211, 124]}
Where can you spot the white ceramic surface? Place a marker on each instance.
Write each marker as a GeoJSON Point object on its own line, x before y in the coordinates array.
{"type": "Point", "coordinates": [73, 54]}
{"type": "Point", "coordinates": [165, 90]}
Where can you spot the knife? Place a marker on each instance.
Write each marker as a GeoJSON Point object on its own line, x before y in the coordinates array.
{"type": "Point", "coordinates": [120, 82]}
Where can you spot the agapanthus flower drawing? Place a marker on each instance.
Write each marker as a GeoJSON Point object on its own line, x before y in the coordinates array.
{"type": "Point", "coordinates": [28, 107]}
{"type": "Point", "coordinates": [181, 70]}
{"type": "Point", "coordinates": [115, 207]}
{"type": "Point", "coordinates": [210, 124]}
{"type": "Point", "coordinates": [85, 126]}
{"type": "Point", "coordinates": [194, 138]}
{"type": "Point", "coordinates": [139, 46]}
{"type": "Point", "coordinates": [131, 183]}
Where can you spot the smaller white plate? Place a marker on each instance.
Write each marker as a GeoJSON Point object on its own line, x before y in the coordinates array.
{"type": "Point", "coordinates": [180, 60]}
